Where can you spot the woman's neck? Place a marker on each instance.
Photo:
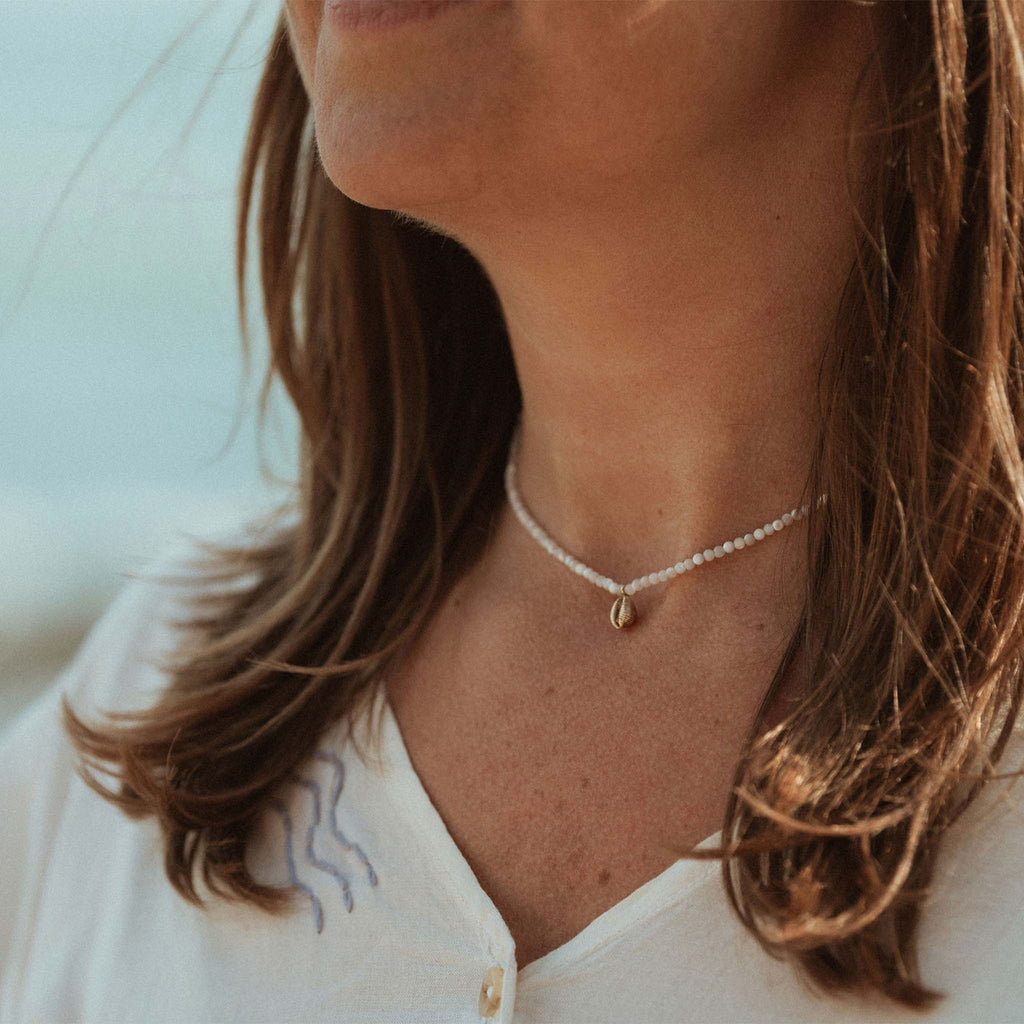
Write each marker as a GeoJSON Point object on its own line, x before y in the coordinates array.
{"type": "Point", "coordinates": [668, 350]}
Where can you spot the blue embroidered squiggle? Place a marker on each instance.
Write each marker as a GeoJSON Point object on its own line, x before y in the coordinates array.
{"type": "Point", "coordinates": [339, 781]}
{"type": "Point", "coordinates": [318, 910]}
{"type": "Point", "coordinates": [311, 857]}
{"type": "Point", "coordinates": [314, 789]}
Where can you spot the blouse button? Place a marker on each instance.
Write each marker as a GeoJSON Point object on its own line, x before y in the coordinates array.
{"type": "Point", "coordinates": [490, 992]}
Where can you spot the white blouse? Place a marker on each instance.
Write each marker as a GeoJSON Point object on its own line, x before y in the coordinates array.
{"type": "Point", "coordinates": [391, 925]}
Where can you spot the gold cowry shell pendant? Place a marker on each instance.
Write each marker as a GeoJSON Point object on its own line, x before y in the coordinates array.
{"type": "Point", "coordinates": [623, 611]}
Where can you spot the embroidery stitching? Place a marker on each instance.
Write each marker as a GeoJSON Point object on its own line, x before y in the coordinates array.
{"type": "Point", "coordinates": [322, 865]}
{"type": "Point", "coordinates": [318, 910]}
{"type": "Point", "coordinates": [313, 787]}
{"type": "Point", "coordinates": [339, 781]}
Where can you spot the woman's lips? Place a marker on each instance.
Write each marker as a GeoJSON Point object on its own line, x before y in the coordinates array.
{"type": "Point", "coordinates": [376, 15]}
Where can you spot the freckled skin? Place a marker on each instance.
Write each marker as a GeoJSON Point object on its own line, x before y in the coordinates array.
{"type": "Point", "coordinates": [620, 170]}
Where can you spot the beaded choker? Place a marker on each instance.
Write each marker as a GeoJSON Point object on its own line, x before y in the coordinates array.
{"type": "Point", "coordinates": [623, 612]}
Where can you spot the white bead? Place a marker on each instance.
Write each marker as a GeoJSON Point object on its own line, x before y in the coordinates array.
{"type": "Point", "coordinates": [689, 563]}
{"type": "Point", "coordinates": [787, 518]}
{"type": "Point", "coordinates": [720, 551]}
{"type": "Point", "coordinates": [709, 554]}
{"type": "Point", "coordinates": [663, 576]}
{"type": "Point", "coordinates": [739, 544]}
{"type": "Point", "coordinates": [748, 539]}
{"type": "Point", "coordinates": [680, 568]}
{"type": "Point", "coordinates": [759, 534]}
{"type": "Point", "coordinates": [698, 559]}
{"type": "Point", "coordinates": [629, 589]}
{"type": "Point", "coordinates": [779, 524]}
{"type": "Point", "coordinates": [769, 529]}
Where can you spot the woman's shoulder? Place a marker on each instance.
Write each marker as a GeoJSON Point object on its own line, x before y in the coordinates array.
{"type": "Point", "coordinates": [119, 664]}
{"type": "Point", "coordinates": [973, 917]}
{"type": "Point", "coordinates": [116, 668]}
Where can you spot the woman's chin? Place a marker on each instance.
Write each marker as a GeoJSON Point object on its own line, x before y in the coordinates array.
{"type": "Point", "coordinates": [380, 184]}
{"type": "Point", "coordinates": [394, 171]}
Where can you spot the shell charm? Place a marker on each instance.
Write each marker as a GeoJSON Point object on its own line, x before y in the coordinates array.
{"type": "Point", "coordinates": [623, 611]}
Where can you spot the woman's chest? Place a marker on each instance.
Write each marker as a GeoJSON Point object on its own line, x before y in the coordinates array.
{"type": "Point", "coordinates": [564, 808]}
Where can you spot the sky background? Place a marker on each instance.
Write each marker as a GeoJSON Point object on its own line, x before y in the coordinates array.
{"type": "Point", "coordinates": [121, 372]}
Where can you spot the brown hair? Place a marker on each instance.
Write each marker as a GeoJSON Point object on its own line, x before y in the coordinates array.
{"type": "Point", "coordinates": [395, 354]}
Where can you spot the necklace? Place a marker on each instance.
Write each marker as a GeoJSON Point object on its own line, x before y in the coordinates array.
{"type": "Point", "coordinates": [623, 611]}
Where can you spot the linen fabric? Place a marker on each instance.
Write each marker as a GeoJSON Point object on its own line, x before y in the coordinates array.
{"type": "Point", "coordinates": [389, 923]}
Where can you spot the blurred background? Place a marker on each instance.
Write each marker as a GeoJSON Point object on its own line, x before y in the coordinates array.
{"type": "Point", "coordinates": [123, 418]}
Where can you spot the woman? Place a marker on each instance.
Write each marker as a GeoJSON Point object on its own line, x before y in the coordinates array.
{"type": "Point", "coordinates": [626, 280]}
